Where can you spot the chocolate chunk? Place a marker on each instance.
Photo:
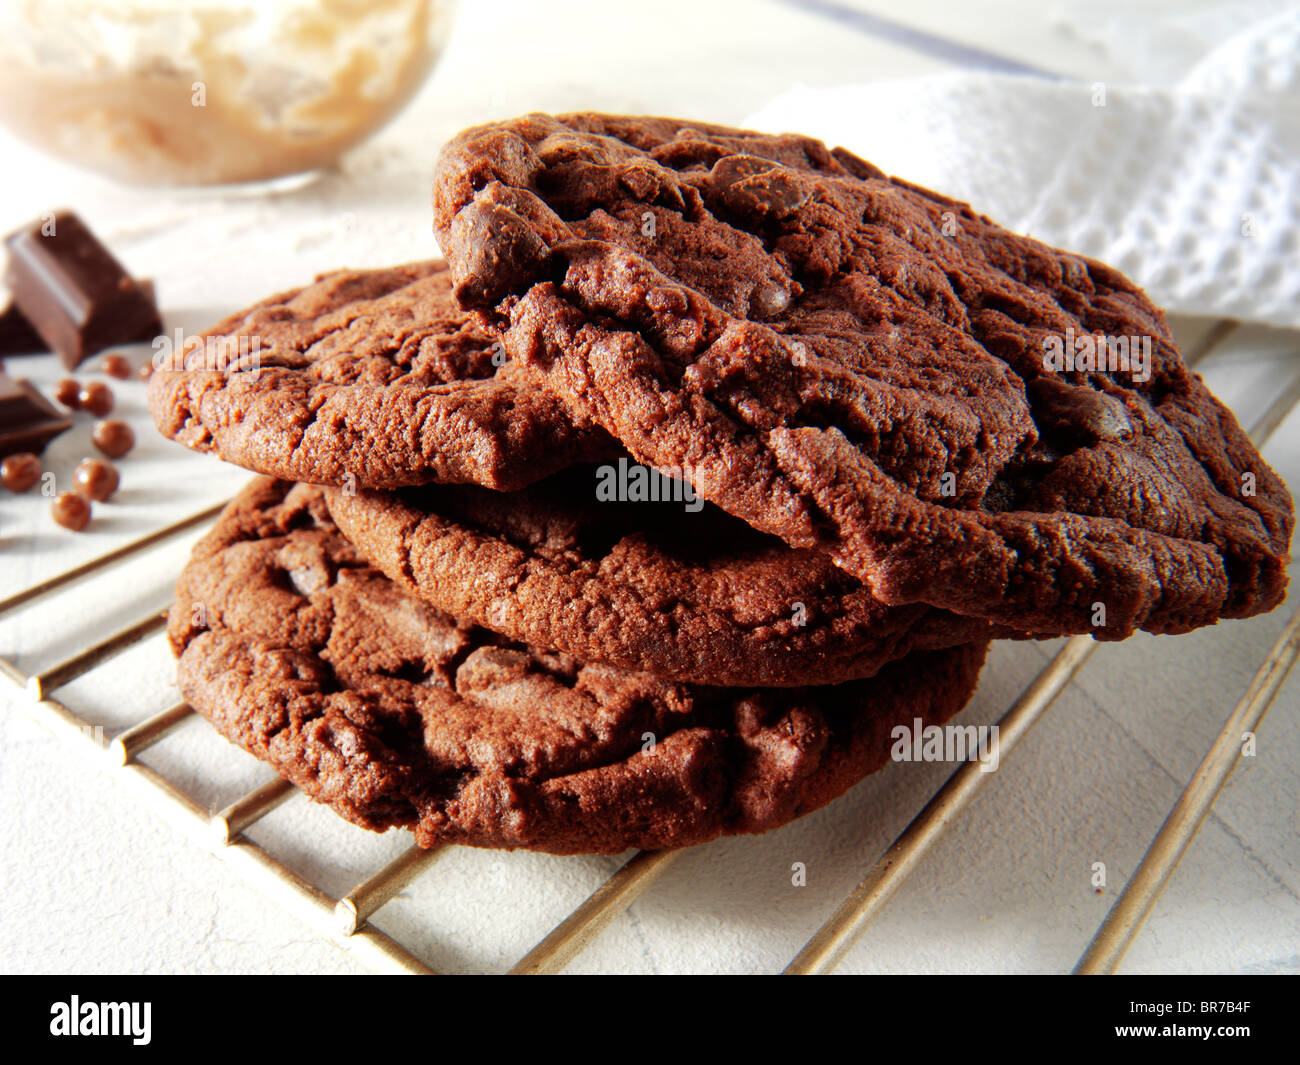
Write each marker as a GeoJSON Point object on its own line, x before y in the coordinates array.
{"type": "Point", "coordinates": [28, 421]}
{"type": "Point", "coordinates": [17, 337]}
{"type": "Point", "coordinates": [72, 290]}
{"type": "Point", "coordinates": [757, 188]}
{"type": "Point", "coordinates": [1073, 416]}
{"type": "Point", "coordinates": [503, 249]}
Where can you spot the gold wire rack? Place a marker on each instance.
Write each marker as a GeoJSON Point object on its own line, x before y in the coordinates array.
{"type": "Point", "coordinates": [345, 920]}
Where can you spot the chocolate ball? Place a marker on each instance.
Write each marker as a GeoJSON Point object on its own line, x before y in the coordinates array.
{"type": "Point", "coordinates": [114, 438]}
{"type": "Point", "coordinates": [96, 479]}
{"type": "Point", "coordinates": [20, 471]}
{"type": "Point", "coordinates": [145, 370]}
{"type": "Point", "coordinates": [96, 397]}
{"type": "Point", "coordinates": [68, 392]}
{"type": "Point", "coordinates": [115, 365]}
{"type": "Point", "coordinates": [71, 510]}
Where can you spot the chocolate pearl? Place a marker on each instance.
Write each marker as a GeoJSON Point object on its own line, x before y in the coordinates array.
{"type": "Point", "coordinates": [145, 370]}
{"type": "Point", "coordinates": [113, 438]}
{"type": "Point", "coordinates": [71, 511]}
{"type": "Point", "coordinates": [96, 479]}
{"type": "Point", "coordinates": [20, 471]}
{"type": "Point", "coordinates": [115, 365]}
{"type": "Point", "coordinates": [68, 392]}
{"type": "Point", "coordinates": [97, 398]}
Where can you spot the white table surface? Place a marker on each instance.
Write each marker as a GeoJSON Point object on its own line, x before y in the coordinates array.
{"type": "Point", "coordinates": [93, 883]}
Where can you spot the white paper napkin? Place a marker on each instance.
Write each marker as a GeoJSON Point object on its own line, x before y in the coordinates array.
{"type": "Point", "coordinates": [1193, 191]}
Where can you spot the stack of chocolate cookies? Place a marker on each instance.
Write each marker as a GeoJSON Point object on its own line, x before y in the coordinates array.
{"type": "Point", "coordinates": [708, 459]}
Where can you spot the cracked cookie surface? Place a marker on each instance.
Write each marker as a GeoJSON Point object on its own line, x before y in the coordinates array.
{"type": "Point", "coordinates": [373, 378]}
{"type": "Point", "coordinates": [397, 714]}
{"type": "Point", "coordinates": [691, 594]}
{"type": "Point", "coordinates": [857, 365]}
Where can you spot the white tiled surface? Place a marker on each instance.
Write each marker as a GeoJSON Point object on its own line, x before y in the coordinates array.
{"type": "Point", "coordinates": [92, 883]}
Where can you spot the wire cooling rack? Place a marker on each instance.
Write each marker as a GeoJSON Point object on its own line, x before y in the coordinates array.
{"type": "Point", "coordinates": [346, 922]}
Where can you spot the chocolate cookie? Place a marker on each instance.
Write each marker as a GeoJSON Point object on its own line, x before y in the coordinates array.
{"type": "Point", "coordinates": [861, 366]}
{"type": "Point", "coordinates": [395, 713]}
{"type": "Point", "coordinates": [677, 588]}
{"type": "Point", "coordinates": [372, 378]}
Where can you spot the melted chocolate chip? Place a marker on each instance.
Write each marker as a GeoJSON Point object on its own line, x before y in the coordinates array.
{"type": "Point", "coordinates": [1075, 416]}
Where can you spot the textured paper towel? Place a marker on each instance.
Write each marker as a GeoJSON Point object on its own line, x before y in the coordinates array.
{"type": "Point", "coordinates": [1192, 191]}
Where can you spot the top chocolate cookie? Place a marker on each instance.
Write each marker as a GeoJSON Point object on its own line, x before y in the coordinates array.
{"type": "Point", "coordinates": [371, 379]}
{"type": "Point", "coordinates": [957, 414]}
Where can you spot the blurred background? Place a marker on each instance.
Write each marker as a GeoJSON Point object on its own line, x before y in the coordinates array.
{"type": "Point", "coordinates": [992, 100]}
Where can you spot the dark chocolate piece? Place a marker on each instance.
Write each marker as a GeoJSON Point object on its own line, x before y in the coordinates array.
{"type": "Point", "coordinates": [28, 421]}
{"type": "Point", "coordinates": [17, 337]}
{"type": "Point", "coordinates": [74, 293]}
